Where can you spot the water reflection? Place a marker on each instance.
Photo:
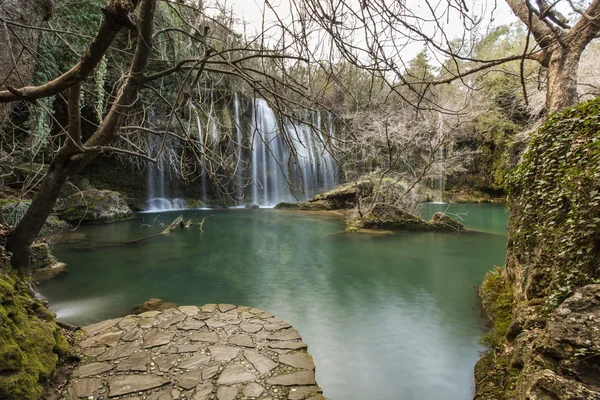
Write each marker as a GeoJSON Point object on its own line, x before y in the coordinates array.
{"type": "Point", "coordinates": [385, 317]}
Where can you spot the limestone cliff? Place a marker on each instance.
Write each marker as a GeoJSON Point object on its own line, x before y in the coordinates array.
{"type": "Point", "coordinates": [545, 304]}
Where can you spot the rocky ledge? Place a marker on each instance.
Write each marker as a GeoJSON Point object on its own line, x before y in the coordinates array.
{"type": "Point", "coordinates": [220, 352]}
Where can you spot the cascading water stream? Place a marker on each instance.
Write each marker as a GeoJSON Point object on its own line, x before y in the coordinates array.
{"type": "Point", "coordinates": [312, 168]}
{"type": "Point", "coordinates": [289, 160]}
{"type": "Point", "coordinates": [156, 181]}
{"type": "Point", "coordinates": [238, 145]}
{"type": "Point", "coordinates": [201, 144]}
{"type": "Point", "coordinates": [440, 157]}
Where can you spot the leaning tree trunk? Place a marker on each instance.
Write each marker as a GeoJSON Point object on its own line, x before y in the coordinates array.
{"type": "Point", "coordinates": [17, 63]}
{"type": "Point", "coordinates": [32, 222]}
{"type": "Point", "coordinates": [74, 155]}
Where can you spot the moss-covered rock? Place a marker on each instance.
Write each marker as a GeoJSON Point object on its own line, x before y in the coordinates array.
{"type": "Point", "coordinates": [443, 221]}
{"type": "Point", "coordinates": [313, 205]}
{"type": "Point", "coordinates": [388, 217]}
{"type": "Point", "coordinates": [30, 341]}
{"type": "Point", "coordinates": [548, 349]}
{"type": "Point", "coordinates": [492, 371]}
{"type": "Point", "coordinates": [41, 257]}
{"type": "Point", "coordinates": [94, 206]}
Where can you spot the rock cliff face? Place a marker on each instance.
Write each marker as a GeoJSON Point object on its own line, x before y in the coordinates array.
{"type": "Point", "coordinates": [545, 304]}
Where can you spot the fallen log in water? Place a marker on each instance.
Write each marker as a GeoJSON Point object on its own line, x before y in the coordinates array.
{"type": "Point", "coordinates": [168, 229]}
{"type": "Point", "coordinates": [202, 222]}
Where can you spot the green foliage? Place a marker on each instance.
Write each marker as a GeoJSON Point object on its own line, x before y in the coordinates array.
{"type": "Point", "coordinates": [555, 195]}
{"type": "Point", "coordinates": [30, 341]}
{"type": "Point", "coordinates": [497, 300]}
{"type": "Point", "coordinates": [492, 371]}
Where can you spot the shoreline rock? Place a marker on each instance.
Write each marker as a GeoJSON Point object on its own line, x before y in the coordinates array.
{"type": "Point", "coordinates": [153, 304]}
{"type": "Point", "coordinates": [94, 206]}
{"type": "Point", "coordinates": [44, 265]}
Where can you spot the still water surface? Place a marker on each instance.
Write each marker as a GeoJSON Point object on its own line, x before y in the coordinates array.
{"type": "Point", "coordinates": [385, 317]}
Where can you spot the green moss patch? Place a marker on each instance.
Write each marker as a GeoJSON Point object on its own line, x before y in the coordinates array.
{"type": "Point", "coordinates": [493, 375]}
{"type": "Point", "coordinates": [30, 341]}
{"type": "Point", "coordinates": [555, 204]}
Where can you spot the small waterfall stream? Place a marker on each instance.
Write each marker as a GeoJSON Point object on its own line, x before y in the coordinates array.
{"type": "Point", "coordinates": [157, 183]}
{"type": "Point", "coordinates": [287, 160]}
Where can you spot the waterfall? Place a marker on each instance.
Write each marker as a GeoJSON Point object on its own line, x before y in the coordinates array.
{"type": "Point", "coordinates": [441, 161]}
{"type": "Point", "coordinates": [278, 159]}
{"type": "Point", "coordinates": [239, 190]}
{"type": "Point", "coordinates": [156, 181]}
{"type": "Point", "coordinates": [277, 176]}
{"type": "Point", "coordinates": [201, 147]}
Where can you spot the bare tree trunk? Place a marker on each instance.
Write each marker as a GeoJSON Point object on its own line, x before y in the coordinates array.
{"type": "Point", "coordinates": [27, 229]}
{"type": "Point", "coordinates": [561, 84]}
{"type": "Point", "coordinates": [18, 43]}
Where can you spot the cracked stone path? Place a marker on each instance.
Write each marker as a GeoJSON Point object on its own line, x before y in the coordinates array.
{"type": "Point", "coordinates": [217, 351]}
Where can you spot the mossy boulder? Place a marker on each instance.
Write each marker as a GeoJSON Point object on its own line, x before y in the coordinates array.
{"type": "Point", "coordinates": [30, 341]}
{"type": "Point", "coordinates": [341, 198]}
{"type": "Point", "coordinates": [41, 257]}
{"type": "Point", "coordinates": [443, 221]}
{"type": "Point", "coordinates": [44, 265]}
{"type": "Point", "coordinates": [389, 217]}
{"type": "Point", "coordinates": [94, 206]}
{"type": "Point", "coordinates": [468, 196]}
{"type": "Point", "coordinates": [27, 174]}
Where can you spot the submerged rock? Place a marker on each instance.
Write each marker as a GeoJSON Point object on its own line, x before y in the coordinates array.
{"type": "Point", "coordinates": [153, 304]}
{"type": "Point", "coordinates": [445, 222]}
{"type": "Point", "coordinates": [94, 206]}
{"type": "Point", "coordinates": [53, 271]}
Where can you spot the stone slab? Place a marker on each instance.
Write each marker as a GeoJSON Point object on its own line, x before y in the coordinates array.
{"type": "Point", "coordinates": [298, 360]}
{"type": "Point", "coordinates": [96, 368]}
{"type": "Point", "coordinates": [262, 363]}
{"type": "Point", "coordinates": [233, 374]}
{"type": "Point", "coordinates": [126, 384]}
{"type": "Point", "coordinates": [299, 378]}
